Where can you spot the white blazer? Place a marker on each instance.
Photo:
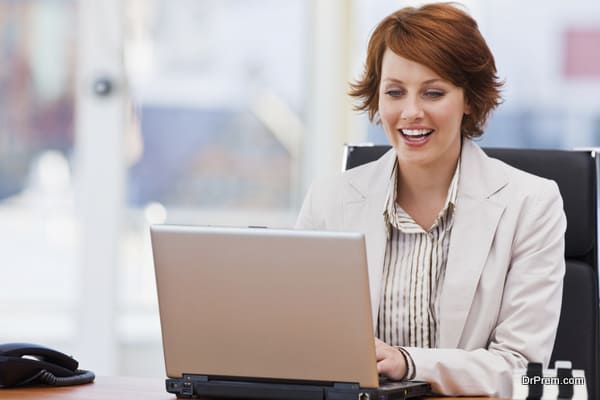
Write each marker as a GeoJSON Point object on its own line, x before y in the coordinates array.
{"type": "Point", "coordinates": [502, 292]}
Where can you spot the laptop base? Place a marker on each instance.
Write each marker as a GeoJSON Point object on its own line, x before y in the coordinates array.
{"type": "Point", "coordinates": [195, 386]}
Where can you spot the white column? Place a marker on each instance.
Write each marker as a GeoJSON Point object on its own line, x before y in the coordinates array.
{"type": "Point", "coordinates": [327, 101]}
{"type": "Point", "coordinates": [100, 178]}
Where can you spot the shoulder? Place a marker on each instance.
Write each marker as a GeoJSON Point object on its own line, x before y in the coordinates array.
{"type": "Point", "coordinates": [522, 184]}
{"type": "Point", "coordinates": [328, 196]}
{"type": "Point", "coordinates": [532, 204]}
{"type": "Point", "coordinates": [357, 182]}
{"type": "Point", "coordinates": [501, 181]}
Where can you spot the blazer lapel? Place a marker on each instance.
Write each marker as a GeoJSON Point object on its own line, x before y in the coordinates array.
{"type": "Point", "coordinates": [475, 222]}
{"type": "Point", "coordinates": [365, 214]}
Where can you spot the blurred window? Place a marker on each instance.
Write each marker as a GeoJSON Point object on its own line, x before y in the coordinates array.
{"type": "Point", "coordinates": [220, 110]}
{"type": "Point", "coordinates": [38, 230]}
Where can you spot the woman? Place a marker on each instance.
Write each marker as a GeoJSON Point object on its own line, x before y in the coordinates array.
{"type": "Point", "coordinates": [465, 252]}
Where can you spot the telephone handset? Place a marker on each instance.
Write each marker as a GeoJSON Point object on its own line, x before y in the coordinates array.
{"type": "Point", "coordinates": [27, 364]}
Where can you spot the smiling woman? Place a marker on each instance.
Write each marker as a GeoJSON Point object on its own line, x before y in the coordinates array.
{"type": "Point", "coordinates": [465, 254]}
{"type": "Point", "coordinates": [447, 41]}
{"type": "Point", "coordinates": [417, 107]}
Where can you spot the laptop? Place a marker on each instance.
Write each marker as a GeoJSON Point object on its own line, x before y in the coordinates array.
{"type": "Point", "coordinates": [267, 314]}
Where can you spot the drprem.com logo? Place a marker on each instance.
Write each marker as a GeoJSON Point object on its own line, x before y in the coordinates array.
{"type": "Point", "coordinates": [552, 380]}
{"type": "Point", "coordinates": [562, 382]}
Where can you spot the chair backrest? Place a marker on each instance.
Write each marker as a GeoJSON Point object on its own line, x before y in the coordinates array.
{"type": "Point", "coordinates": [575, 172]}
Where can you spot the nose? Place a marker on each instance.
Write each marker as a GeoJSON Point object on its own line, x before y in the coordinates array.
{"type": "Point", "coordinates": [412, 110]}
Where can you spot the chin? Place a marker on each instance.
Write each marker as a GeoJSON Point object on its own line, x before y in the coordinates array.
{"type": "Point", "coordinates": [414, 156]}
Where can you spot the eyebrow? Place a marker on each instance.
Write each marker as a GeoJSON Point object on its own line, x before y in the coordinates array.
{"type": "Point", "coordinates": [428, 81]}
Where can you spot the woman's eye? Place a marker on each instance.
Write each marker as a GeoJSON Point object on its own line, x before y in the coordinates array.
{"type": "Point", "coordinates": [394, 93]}
{"type": "Point", "coordinates": [434, 94]}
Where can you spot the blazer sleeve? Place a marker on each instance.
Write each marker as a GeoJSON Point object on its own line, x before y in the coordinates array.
{"type": "Point", "coordinates": [322, 207]}
{"type": "Point", "coordinates": [529, 313]}
{"type": "Point", "coordinates": [306, 219]}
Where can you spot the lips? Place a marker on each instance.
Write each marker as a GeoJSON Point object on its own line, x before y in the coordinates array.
{"type": "Point", "coordinates": [415, 135]}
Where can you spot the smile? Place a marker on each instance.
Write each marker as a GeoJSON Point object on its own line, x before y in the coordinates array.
{"type": "Point", "coordinates": [416, 134]}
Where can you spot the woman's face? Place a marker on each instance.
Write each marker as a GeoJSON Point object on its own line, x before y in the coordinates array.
{"type": "Point", "coordinates": [420, 112]}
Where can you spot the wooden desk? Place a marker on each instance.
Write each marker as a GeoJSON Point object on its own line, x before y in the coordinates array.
{"type": "Point", "coordinates": [112, 388]}
{"type": "Point", "coordinates": [103, 388]}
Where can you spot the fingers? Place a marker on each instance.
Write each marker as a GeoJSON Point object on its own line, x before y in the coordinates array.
{"type": "Point", "coordinates": [390, 362]}
{"type": "Point", "coordinates": [383, 366]}
{"type": "Point", "coordinates": [383, 350]}
{"type": "Point", "coordinates": [379, 349]}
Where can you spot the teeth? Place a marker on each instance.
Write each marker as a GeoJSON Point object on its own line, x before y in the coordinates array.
{"type": "Point", "coordinates": [416, 132]}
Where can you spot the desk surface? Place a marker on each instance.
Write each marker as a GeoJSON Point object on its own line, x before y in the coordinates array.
{"type": "Point", "coordinates": [109, 388]}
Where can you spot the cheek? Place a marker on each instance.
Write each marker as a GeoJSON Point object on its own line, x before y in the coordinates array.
{"type": "Point", "coordinates": [387, 113]}
{"type": "Point", "coordinates": [449, 116]}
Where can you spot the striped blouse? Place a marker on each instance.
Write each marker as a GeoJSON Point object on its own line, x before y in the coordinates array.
{"type": "Point", "coordinates": [413, 271]}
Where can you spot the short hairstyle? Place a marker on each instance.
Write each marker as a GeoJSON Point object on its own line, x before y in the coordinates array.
{"type": "Point", "coordinates": [445, 39]}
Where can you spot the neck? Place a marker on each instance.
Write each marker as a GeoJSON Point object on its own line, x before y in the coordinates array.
{"type": "Point", "coordinates": [426, 182]}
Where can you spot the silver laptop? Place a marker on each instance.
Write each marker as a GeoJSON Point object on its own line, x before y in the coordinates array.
{"type": "Point", "coordinates": [267, 313]}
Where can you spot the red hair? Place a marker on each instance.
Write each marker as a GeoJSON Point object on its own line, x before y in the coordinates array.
{"type": "Point", "coordinates": [445, 39]}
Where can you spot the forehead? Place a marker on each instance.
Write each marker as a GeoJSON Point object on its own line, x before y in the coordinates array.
{"type": "Point", "coordinates": [396, 67]}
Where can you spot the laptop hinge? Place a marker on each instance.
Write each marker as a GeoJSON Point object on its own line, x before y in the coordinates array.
{"type": "Point", "coordinates": [346, 386]}
{"type": "Point", "coordinates": [200, 378]}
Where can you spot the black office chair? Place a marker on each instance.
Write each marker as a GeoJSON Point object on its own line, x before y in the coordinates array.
{"type": "Point", "coordinates": [575, 172]}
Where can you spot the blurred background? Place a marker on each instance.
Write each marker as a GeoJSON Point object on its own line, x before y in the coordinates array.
{"type": "Point", "coordinates": [117, 114]}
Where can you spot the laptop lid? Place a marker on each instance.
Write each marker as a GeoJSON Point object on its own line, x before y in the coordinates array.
{"type": "Point", "coordinates": [264, 303]}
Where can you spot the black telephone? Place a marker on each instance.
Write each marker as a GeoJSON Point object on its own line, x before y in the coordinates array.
{"type": "Point", "coordinates": [28, 364]}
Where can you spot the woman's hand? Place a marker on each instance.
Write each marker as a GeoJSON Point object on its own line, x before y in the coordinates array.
{"type": "Point", "coordinates": [390, 361]}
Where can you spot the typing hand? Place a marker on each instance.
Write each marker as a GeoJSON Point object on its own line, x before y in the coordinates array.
{"type": "Point", "coordinates": [390, 362]}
